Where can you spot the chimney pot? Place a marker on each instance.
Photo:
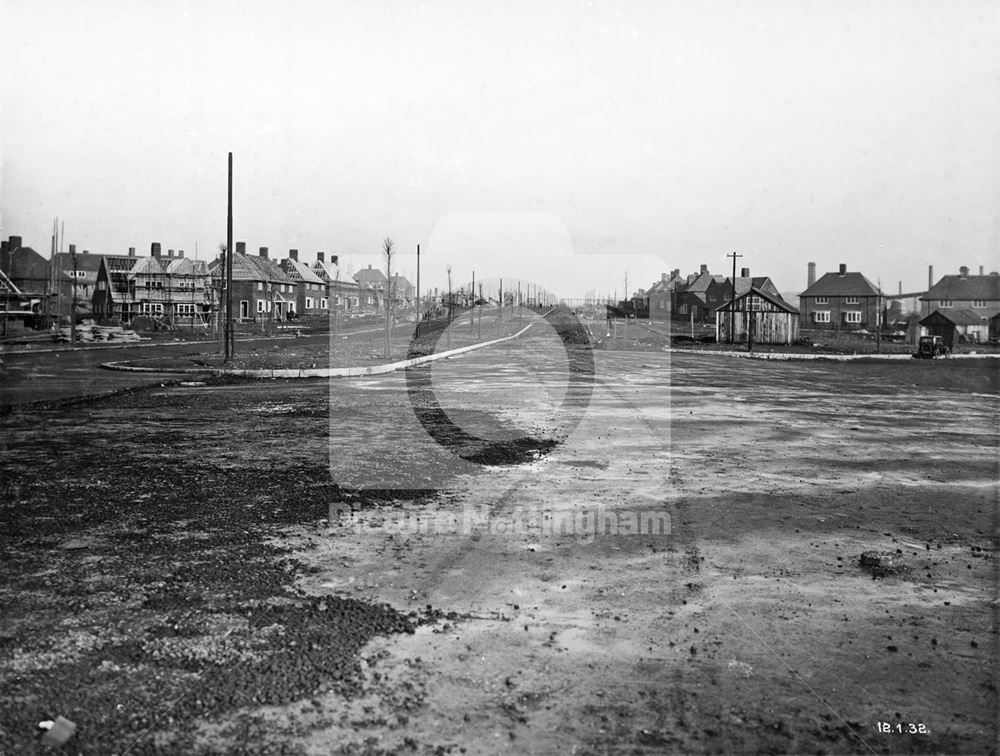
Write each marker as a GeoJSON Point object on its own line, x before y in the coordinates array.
{"type": "Point", "coordinates": [930, 277]}
{"type": "Point", "coordinates": [241, 247]}
{"type": "Point", "coordinates": [154, 249]}
{"type": "Point", "coordinates": [963, 272]}
{"type": "Point", "coordinates": [843, 269]}
{"type": "Point", "coordinates": [320, 256]}
{"type": "Point", "coordinates": [262, 252]}
{"type": "Point", "coordinates": [293, 254]}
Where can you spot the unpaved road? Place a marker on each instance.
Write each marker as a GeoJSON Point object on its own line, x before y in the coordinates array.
{"type": "Point", "coordinates": [749, 626]}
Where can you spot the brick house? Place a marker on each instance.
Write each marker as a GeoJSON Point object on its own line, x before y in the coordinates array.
{"type": "Point", "coordinates": [372, 284]}
{"type": "Point", "coordinates": [173, 288]}
{"type": "Point", "coordinates": [343, 292]}
{"type": "Point", "coordinates": [311, 297]}
{"type": "Point", "coordinates": [261, 290]}
{"type": "Point", "coordinates": [697, 296]}
{"type": "Point", "coordinates": [659, 296]}
{"type": "Point", "coordinates": [842, 300]}
{"type": "Point", "coordinates": [27, 277]}
{"type": "Point", "coordinates": [979, 293]}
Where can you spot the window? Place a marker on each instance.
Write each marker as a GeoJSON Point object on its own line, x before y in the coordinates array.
{"type": "Point", "coordinates": [851, 300]}
{"type": "Point", "coordinates": [184, 309]}
{"type": "Point", "coordinates": [754, 303]}
{"type": "Point", "coordinates": [260, 286]}
{"type": "Point", "coordinates": [852, 316]}
{"type": "Point", "coordinates": [324, 304]}
{"type": "Point", "coordinates": [260, 305]}
{"type": "Point", "coordinates": [309, 303]}
{"type": "Point", "coordinates": [102, 285]}
{"type": "Point", "coordinates": [821, 316]}
{"type": "Point", "coordinates": [979, 303]}
{"type": "Point", "coordinates": [944, 303]}
{"type": "Point", "coordinates": [823, 300]}
{"type": "Point", "coordinates": [151, 308]}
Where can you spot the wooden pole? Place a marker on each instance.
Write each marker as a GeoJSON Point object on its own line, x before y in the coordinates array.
{"type": "Point", "coordinates": [230, 341]}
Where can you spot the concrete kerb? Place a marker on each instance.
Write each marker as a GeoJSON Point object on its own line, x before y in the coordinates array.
{"type": "Point", "coordinates": [793, 356]}
{"type": "Point", "coordinates": [345, 372]}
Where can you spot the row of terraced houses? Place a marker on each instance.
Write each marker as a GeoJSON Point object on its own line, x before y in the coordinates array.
{"type": "Point", "coordinates": [169, 286]}
{"type": "Point", "coordinates": [958, 306]}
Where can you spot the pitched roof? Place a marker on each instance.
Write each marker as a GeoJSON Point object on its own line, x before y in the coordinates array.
{"type": "Point", "coordinates": [180, 266]}
{"type": "Point", "coordinates": [370, 275]}
{"type": "Point", "coordinates": [299, 271]}
{"type": "Point", "coordinates": [963, 315]}
{"type": "Point", "coordinates": [251, 268]}
{"type": "Point", "coordinates": [700, 283]}
{"type": "Point", "coordinates": [772, 297]}
{"type": "Point", "coordinates": [983, 288]}
{"type": "Point", "coordinates": [851, 284]}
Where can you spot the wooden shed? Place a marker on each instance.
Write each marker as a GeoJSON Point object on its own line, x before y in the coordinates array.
{"type": "Point", "coordinates": [759, 317]}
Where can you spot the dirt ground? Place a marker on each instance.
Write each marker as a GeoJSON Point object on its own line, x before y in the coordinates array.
{"type": "Point", "coordinates": [184, 574]}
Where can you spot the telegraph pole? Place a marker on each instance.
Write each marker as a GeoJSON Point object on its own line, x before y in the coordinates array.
{"type": "Point", "coordinates": [419, 308]}
{"type": "Point", "coordinates": [732, 302]}
{"type": "Point", "coordinates": [472, 312]}
{"type": "Point", "coordinates": [230, 341]}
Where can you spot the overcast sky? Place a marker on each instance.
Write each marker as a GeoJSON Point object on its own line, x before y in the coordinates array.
{"type": "Point", "coordinates": [565, 143]}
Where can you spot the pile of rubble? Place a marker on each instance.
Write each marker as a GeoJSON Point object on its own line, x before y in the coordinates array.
{"type": "Point", "coordinates": [88, 332]}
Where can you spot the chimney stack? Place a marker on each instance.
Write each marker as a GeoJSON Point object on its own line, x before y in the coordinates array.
{"type": "Point", "coordinates": [293, 254]}
{"type": "Point", "coordinates": [180, 254]}
{"type": "Point", "coordinates": [369, 266]}
{"type": "Point", "coordinates": [963, 272]}
{"type": "Point", "coordinates": [3, 246]}
{"type": "Point", "coordinates": [262, 252]}
{"type": "Point", "coordinates": [72, 249]}
{"type": "Point", "coordinates": [900, 288]}
{"type": "Point", "coordinates": [320, 256]}
{"type": "Point", "coordinates": [14, 244]}
{"type": "Point", "coordinates": [333, 259]}
{"type": "Point", "coordinates": [980, 270]}
{"type": "Point", "coordinates": [131, 251]}
{"type": "Point", "coordinates": [241, 248]}
{"type": "Point", "coordinates": [744, 272]}
{"type": "Point", "coordinates": [843, 269]}
{"type": "Point", "coordinates": [154, 249]}
{"type": "Point", "coordinates": [704, 268]}
{"type": "Point", "coordinates": [811, 279]}
{"type": "Point", "coordinates": [930, 277]}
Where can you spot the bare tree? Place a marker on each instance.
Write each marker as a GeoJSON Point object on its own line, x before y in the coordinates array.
{"type": "Point", "coordinates": [625, 332]}
{"type": "Point", "coordinates": [388, 252]}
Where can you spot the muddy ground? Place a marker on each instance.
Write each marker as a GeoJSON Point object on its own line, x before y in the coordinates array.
{"type": "Point", "coordinates": [183, 573]}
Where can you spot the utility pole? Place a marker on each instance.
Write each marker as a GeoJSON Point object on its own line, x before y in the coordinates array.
{"type": "Point", "coordinates": [472, 319]}
{"type": "Point", "coordinates": [732, 302]}
{"type": "Point", "coordinates": [230, 341]}
{"type": "Point", "coordinates": [479, 318]}
{"type": "Point", "coordinates": [519, 315]}
{"type": "Point", "coordinates": [878, 319]}
{"type": "Point", "coordinates": [420, 310]}
{"type": "Point", "coordinates": [72, 307]}
{"type": "Point", "coordinates": [500, 310]}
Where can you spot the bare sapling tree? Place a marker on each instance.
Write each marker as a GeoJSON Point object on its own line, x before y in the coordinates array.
{"type": "Point", "coordinates": [450, 300]}
{"type": "Point", "coordinates": [388, 251]}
